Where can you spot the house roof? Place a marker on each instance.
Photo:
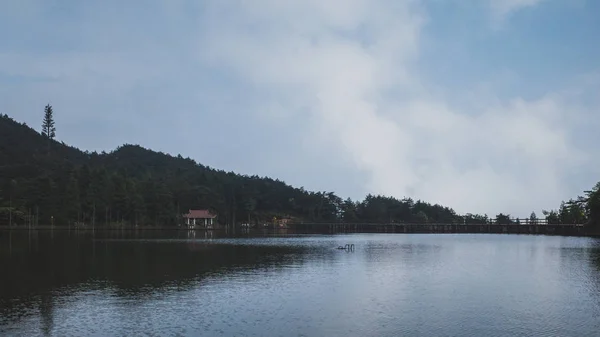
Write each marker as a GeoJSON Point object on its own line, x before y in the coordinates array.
{"type": "Point", "coordinates": [199, 214]}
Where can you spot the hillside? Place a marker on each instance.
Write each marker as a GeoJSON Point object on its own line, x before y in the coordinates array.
{"type": "Point", "coordinates": [41, 178]}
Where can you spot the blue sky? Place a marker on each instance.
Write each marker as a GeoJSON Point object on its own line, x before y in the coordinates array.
{"type": "Point", "coordinates": [486, 106]}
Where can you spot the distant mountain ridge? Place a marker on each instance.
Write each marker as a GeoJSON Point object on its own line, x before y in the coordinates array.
{"type": "Point", "coordinates": [43, 183]}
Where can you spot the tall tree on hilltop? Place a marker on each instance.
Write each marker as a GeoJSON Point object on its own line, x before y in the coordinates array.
{"type": "Point", "coordinates": [48, 128]}
{"type": "Point", "coordinates": [133, 185]}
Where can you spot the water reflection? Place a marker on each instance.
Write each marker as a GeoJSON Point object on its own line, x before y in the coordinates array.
{"type": "Point", "coordinates": [37, 265]}
{"type": "Point", "coordinates": [594, 258]}
{"type": "Point", "coordinates": [46, 311]}
{"type": "Point", "coordinates": [74, 283]}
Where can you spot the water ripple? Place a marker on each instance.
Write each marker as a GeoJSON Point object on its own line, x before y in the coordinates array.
{"type": "Point", "coordinates": [390, 285]}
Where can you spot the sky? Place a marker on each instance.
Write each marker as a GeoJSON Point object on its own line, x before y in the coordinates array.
{"type": "Point", "coordinates": [485, 106]}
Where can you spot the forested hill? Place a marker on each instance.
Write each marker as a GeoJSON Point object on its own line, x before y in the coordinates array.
{"type": "Point", "coordinates": [43, 179]}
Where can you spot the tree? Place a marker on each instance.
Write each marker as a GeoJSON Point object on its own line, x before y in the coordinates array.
{"type": "Point", "coordinates": [533, 218]}
{"type": "Point", "coordinates": [552, 217]}
{"type": "Point", "coordinates": [71, 206]}
{"type": "Point", "coordinates": [349, 211]}
{"type": "Point", "coordinates": [573, 211]}
{"type": "Point", "coordinates": [10, 188]}
{"type": "Point", "coordinates": [475, 219]}
{"type": "Point", "coordinates": [587, 209]}
{"type": "Point", "coordinates": [593, 205]}
{"type": "Point", "coordinates": [48, 128]}
{"type": "Point", "coordinates": [135, 185]}
{"type": "Point", "coordinates": [421, 217]}
{"type": "Point", "coordinates": [503, 219]}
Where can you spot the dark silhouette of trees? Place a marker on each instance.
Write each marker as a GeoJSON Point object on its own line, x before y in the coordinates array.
{"type": "Point", "coordinates": [136, 186]}
{"type": "Point", "coordinates": [552, 217]}
{"type": "Point", "coordinates": [503, 219]}
{"type": "Point", "coordinates": [592, 204]}
{"type": "Point", "coordinates": [48, 127]}
{"type": "Point", "coordinates": [533, 218]}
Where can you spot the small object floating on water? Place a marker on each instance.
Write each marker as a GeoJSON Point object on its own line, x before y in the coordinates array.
{"type": "Point", "coordinates": [348, 246]}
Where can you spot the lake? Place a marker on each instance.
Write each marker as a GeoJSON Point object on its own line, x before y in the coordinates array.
{"type": "Point", "coordinates": [118, 283]}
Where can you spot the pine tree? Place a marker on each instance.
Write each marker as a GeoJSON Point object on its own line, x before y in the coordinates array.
{"type": "Point", "coordinates": [48, 128]}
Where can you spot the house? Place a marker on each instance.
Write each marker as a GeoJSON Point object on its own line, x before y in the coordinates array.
{"type": "Point", "coordinates": [201, 217]}
{"type": "Point", "coordinates": [282, 222]}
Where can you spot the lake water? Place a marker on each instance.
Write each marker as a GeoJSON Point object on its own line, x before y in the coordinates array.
{"type": "Point", "coordinates": [193, 284]}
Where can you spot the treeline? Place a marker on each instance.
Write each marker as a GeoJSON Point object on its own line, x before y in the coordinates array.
{"type": "Point", "coordinates": [43, 182]}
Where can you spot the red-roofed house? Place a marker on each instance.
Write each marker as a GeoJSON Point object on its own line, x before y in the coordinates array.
{"type": "Point", "coordinates": [199, 217]}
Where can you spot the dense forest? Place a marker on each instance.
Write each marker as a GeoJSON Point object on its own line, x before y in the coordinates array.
{"type": "Point", "coordinates": [43, 181]}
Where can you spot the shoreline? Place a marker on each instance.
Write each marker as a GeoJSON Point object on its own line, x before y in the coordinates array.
{"type": "Point", "coordinates": [551, 230]}
{"type": "Point", "coordinates": [101, 228]}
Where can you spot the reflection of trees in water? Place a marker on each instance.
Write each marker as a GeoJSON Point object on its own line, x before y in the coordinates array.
{"type": "Point", "coordinates": [39, 264]}
{"type": "Point", "coordinates": [595, 261]}
{"type": "Point", "coordinates": [47, 313]}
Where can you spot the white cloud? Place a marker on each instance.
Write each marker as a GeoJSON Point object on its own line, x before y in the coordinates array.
{"type": "Point", "coordinates": [339, 60]}
{"type": "Point", "coordinates": [347, 69]}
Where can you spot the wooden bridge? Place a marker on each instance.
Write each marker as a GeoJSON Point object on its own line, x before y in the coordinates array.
{"type": "Point", "coordinates": [490, 228]}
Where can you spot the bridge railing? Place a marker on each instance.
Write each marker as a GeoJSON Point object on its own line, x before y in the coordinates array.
{"type": "Point", "coordinates": [524, 222]}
